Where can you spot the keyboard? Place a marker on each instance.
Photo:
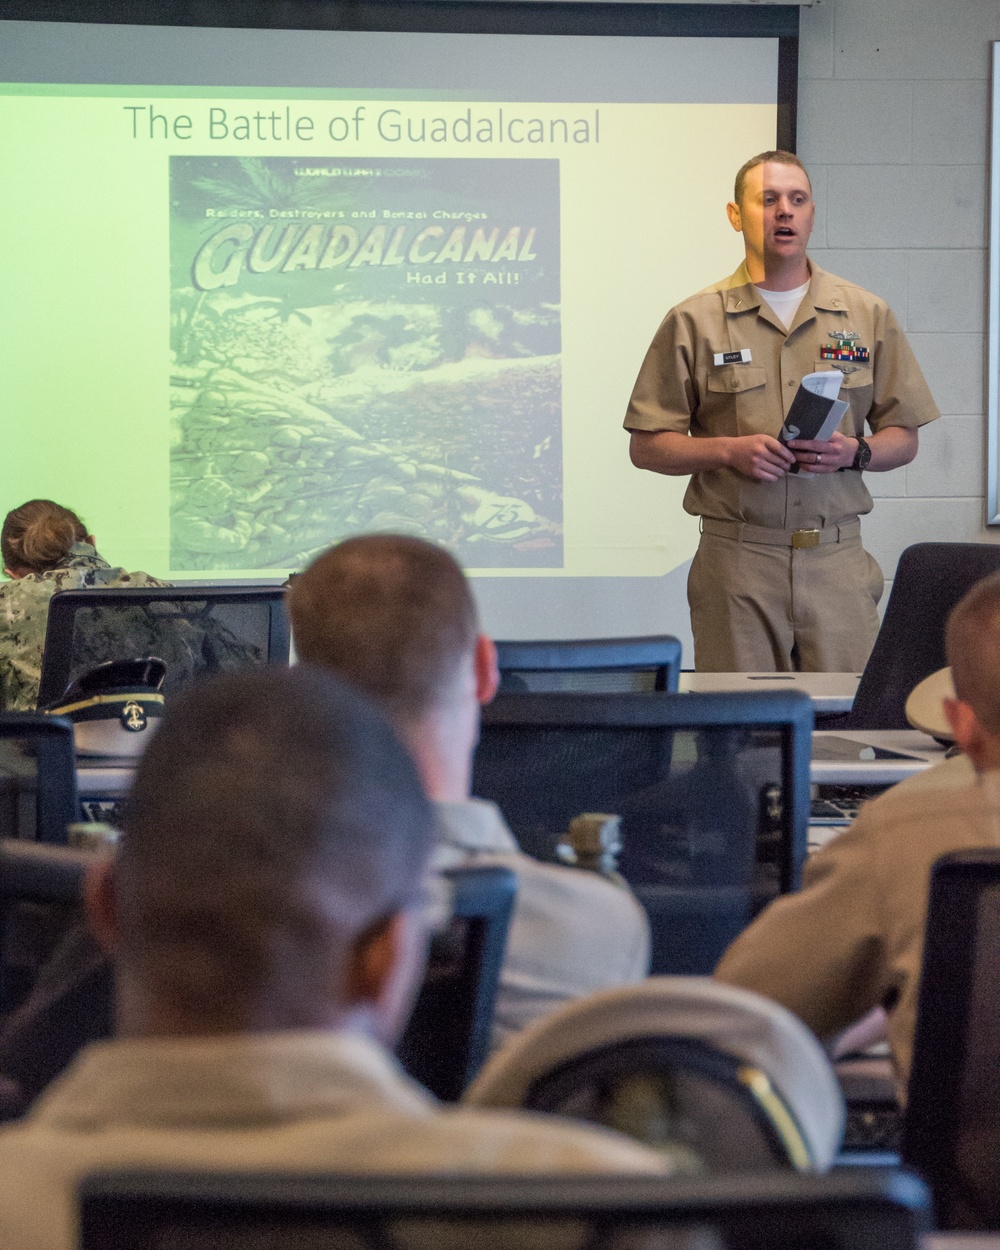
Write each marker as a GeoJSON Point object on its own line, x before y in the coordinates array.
{"type": "Point", "coordinates": [875, 1126]}
{"type": "Point", "coordinates": [839, 805]}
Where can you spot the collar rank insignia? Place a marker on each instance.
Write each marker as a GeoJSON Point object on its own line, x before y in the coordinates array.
{"type": "Point", "coordinates": [845, 347]}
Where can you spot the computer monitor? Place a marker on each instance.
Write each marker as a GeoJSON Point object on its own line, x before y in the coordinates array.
{"type": "Point", "coordinates": [712, 789]}
{"type": "Point", "coordinates": [592, 665]}
{"type": "Point", "coordinates": [196, 630]}
{"type": "Point", "coordinates": [861, 1209]}
{"type": "Point", "coordinates": [38, 796]}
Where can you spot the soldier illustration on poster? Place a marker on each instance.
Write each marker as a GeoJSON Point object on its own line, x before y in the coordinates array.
{"type": "Point", "coordinates": [363, 345]}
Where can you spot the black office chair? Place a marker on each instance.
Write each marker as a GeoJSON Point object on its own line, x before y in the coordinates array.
{"type": "Point", "coordinates": [40, 896]}
{"type": "Point", "coordinates": [592, 665]}
{"type": "Point", "coordinates": [951, 1128]}
{"type": "Point", "coordinates": [716, 1077]}
{"type": "Point", "coordinates": [38, 797]}
{"type": "Point", "coordinates": [196, 630]}
{"type": "Point", "coordinates": [863, 1209]}
{"type": "Point", "coordinates": [930, 579]}
{"type": "Point", "coordinates": [448, 1035]}
{"type": "Point", "coordinates": [713, 791]}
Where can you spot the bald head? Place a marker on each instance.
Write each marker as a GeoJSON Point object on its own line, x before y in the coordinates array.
{"type": "Point", "coordinates": [393, 615]}
{"type": "Point", "coordinates": [972, 641]}
{"type": "Point", "coordinates": [274, 821]}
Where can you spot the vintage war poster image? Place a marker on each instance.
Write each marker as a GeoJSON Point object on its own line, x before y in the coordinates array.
{"type": "Point", "coordinates": [364, 345]}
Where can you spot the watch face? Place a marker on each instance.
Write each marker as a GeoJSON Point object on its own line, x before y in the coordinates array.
{"type": "Point", "coordinates": [863, 456]}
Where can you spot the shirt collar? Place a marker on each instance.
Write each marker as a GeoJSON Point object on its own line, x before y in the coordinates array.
{"type": "Point", "coordinates": [237, 1081]}
{"type": "Point", "coordinates": [473, 825]}
{"type": "Point", "coordinates": [824, 292]}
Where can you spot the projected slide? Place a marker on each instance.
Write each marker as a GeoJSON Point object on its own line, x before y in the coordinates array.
{"type": "Point", "coordinates": [265, 289]}
{"type": "Point", "coordinates": [364, 345]}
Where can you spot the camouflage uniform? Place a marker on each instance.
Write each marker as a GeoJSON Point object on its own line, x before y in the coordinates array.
{"type": "Point", "coordinates": [24, 610]}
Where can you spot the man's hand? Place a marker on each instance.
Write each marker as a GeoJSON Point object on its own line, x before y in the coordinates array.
{"type": "Point", "coordinates": [756, 456]}
{"type": "Point", "coordinates": [760, 456]}
{"type": "Point", "coordinates": [892, 446]}
{"type": "Point", "coordinates": [819, 457]}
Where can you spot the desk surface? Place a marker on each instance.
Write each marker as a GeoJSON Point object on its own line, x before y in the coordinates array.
{"type": "Point", "coordinates": [95, 781]}
{"type": "Point", "coordinates": [830, 692]}
{"type": "Point", "coordinates": [922, 747]}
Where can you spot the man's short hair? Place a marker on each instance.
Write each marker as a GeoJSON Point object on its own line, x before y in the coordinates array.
{"type": "Point", "coordinates": [394, 615]}
{"type": "Point", "coordinates": [972, 641]}
{"type": "Point", "coordinates": [274, 819]}
{"type": "Point", "coordinates": [777, 157]}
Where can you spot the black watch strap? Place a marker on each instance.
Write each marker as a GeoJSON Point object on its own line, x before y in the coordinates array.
{"type": "Point", "coordinates": [862, 457]}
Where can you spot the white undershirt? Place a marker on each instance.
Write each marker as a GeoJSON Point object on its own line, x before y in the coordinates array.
{"type": "Point", "coordinates": [784, 304]}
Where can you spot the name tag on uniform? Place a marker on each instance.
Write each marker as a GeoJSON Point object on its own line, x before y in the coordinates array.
{"type": "Point", "coordinates": [733, 358]}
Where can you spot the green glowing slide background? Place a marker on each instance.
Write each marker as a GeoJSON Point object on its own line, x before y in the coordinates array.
{"type": "Point", "coordinates": [90, 215]}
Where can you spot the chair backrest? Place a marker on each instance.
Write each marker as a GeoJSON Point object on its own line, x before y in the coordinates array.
{"type": "Point", "coordinates": [713, 791]}
{"type": "Point", "coordinates": [700, 1070]}
{"type": "Point", "coordinates": [195, 629]}
{"type": "Point", "coordinates": [38, 797]}
{"type": "Point", "coordinates": [858, 1209]}
{"type": "Point", "coordinates": [41, 888]}
{"type": "Point", "coordinates": [592, 664]}
{"type": "Point", "coordinates": [448, 1035]}
{"type": "Point", "coordinates": [951, 1129]}
{"type": "Point", "coordinates": [56, 1021]}
{"type": "Point", "coordinates": [930, 579]}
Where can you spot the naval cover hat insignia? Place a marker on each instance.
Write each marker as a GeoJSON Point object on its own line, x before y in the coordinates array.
{"type": "Point", "coordinates": [113, 705]}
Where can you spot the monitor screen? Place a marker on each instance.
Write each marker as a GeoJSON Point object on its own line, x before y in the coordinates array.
{"type": "Point", "coordinates": [273, 287]}
{"type": "Point", "coordinates": [708, 817]}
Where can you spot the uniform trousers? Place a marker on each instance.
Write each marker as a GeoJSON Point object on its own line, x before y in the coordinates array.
{"type": "Point", "coordinates": [762, 607]}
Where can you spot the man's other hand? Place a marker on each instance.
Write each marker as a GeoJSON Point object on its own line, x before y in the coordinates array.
{"type": "Point", "coordinates": [837, 453]}
{"type": "Point", "coordinates": [761, 457]}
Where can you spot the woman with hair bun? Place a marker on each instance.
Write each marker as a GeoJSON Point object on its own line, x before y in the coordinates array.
{"type": "Point", "coordinates": [45, 548]}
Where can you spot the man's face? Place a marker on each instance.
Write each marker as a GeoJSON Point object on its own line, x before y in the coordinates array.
{"type": "Point", "coordinates": [775, 215]}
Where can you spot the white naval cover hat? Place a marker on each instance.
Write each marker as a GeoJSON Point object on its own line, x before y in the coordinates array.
{"type": "Point", "coordinates": [739, 1022]}
{"type": "Point", "coordinates": [114, 706]}
{"type": "Point", "coordinates": [925, 705]}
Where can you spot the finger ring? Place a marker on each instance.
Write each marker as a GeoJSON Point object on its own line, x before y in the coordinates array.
{"type": "Point", "coordinates": [819, 457]}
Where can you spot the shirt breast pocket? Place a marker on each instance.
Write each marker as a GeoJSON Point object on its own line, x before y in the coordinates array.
{"type": "Point", "coordinates": [735, 400]}
{"type": "Point", "coordinates": [857, 388]}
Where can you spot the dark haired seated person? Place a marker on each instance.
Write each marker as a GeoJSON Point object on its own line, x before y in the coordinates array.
{"type": "Point", "coordinates": [264, 909]}
{"type": "Point", "coordinates": [395, 616]}
{"type": "Point", "coordinates": [45, 548]}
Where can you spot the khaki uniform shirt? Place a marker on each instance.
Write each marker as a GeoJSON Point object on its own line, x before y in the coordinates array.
{"type": "Point", "coordinates": [853, 937]}
{"type": "Point", "coordinates": [288, 1102]}
{"type": "Point", "coordinates": [680, 388]}
{"type": "Point", "coordinates": [571, 932]}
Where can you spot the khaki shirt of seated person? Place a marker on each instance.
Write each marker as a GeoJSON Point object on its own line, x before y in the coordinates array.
{"type": "Point", "coordinates": [853, 937]}
{"type": "Point", "coordinates": [680, 388]}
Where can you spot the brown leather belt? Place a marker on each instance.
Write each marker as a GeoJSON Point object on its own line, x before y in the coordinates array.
{"type": "Point", "coordinates": [798, 539]}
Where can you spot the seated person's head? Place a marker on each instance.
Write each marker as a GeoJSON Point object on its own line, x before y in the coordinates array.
{"type": "Point", "coordinates": [269, 874]}
{"type": "Point", "coordinates": [972, 642]}
{"type": "Point", "coordinates": [395, 616]}
{"type": "Point", "coordinates": [38, 535]}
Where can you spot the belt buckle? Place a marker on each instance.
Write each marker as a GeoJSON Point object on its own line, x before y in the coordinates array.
{"type": "Point", "coordinates": [805, 538]}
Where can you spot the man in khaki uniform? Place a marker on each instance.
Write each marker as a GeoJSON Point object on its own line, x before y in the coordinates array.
{"type": "Point", "coordinates": [852, 938]}
{"type": "Point", "coordinates": [264, 907]}
{"type": "Point", "coordinates": [780, 580]}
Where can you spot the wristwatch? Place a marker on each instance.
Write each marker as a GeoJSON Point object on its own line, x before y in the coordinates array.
{"type": "Point", "coordinates": [862, 457]}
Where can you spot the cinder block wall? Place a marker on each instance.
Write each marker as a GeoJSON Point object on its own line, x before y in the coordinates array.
{"type": "Point", "coordinates": [894, 99]}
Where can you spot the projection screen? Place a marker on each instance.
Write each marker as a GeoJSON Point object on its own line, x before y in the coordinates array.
{"type": "Point", "coordinates": [267, 288]}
